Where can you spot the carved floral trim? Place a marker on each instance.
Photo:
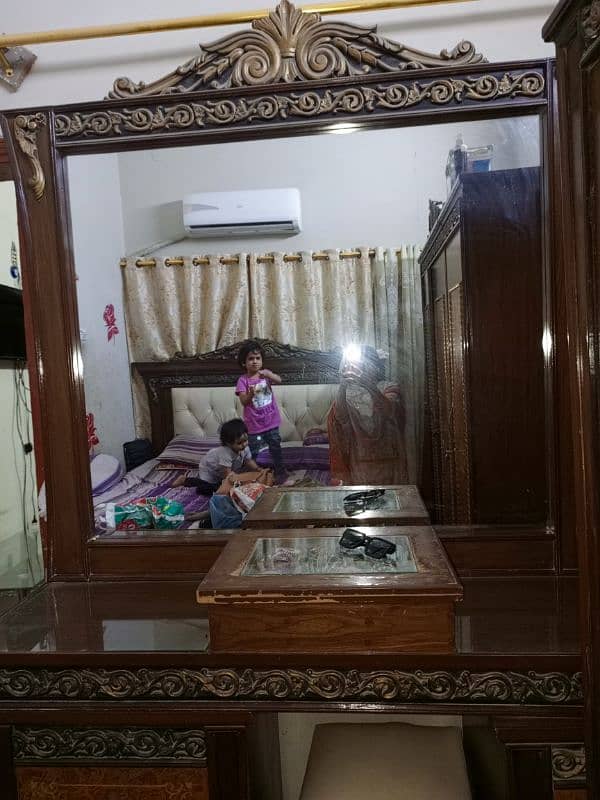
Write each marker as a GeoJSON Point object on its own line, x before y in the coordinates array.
{"type": "Point", "coordinates": [568, 765]}
{"type": "Point", "coordinates": [291, 45]}
{"type": "Point", "coordinates": [304, 105]}
{"type": "Point", "coordinates": [103, 744]}
{"type": "Point", "coordinates": [385, 686]}
{"type": "Point", "coordinates": [27, 127]}
{"type": "Point", "coordinates": [590, 22]}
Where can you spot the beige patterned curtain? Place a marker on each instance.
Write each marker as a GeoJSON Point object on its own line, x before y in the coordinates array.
{"type": "Point", "coordinates": [372, 298]}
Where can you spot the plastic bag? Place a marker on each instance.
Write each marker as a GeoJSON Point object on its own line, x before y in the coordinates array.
{"type": "Point", "coordinates": [128, 517]}
{"type": "Point", "coordinates": [245, 496]}
{"type": "Point", "coordinates": [166, 514]}
{"type": "Point", "coordinates": [147, 512]}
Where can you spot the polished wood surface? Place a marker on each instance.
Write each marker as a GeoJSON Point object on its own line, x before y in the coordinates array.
{"type": "Point", "coordinates": [575, 27]}
{"type": "Point", "coordinates": [484, 264]}
{"type": "Point", "coordinates": [530, 622]}
{"type": "Point", "coordinates": [113, 783]}
{"type": "Point", "coordinates": [410, 626]}
{"type": "Point", "coordinates": [333, 612]}
{"type": "Point", "coordinates": [263, 516]}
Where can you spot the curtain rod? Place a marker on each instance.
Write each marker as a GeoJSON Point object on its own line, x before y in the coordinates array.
{"type": "Point", "coordinates": [203, 261]}
{"type": "Point", "coordinates": [206, 21]}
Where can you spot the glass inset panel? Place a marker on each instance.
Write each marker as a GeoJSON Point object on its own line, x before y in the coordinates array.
{"type": "Point", "coordinates": [293, 501]}
{"type": "Point", "coordinates": [324, 556]}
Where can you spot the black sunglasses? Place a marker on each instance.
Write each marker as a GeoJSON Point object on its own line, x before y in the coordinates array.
{"type": "Point", "coordinates": [375, 546]}
{"type": "Point", "coordinates": [364, 496]}
{"type": "Point", "coordinates": [357, 502]}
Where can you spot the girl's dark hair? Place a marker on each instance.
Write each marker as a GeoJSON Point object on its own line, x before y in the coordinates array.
{"type": "Point", "coordinates": [232, 430]}
{"type": "Point", "coordinates": [251, 346]}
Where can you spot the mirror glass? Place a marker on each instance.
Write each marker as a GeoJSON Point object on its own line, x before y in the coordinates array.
{"type": "Point", "coordinates": [393, 251]}
{"type": "Point", "coordinates": [21, 562]}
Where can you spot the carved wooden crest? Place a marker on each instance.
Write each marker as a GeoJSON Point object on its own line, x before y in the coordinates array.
{"type": "Point", "coordinates": [290, 45]}
{"type": "Point", "coordinates": [271, 348]}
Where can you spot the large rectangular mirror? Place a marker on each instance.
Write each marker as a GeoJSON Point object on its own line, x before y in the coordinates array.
{"type": "Point", "coordinates": [407, 240]}
{"type": "Point", "coordinates": [391, 272]}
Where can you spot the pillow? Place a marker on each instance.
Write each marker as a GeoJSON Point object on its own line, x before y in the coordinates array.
{"type": "Point", "coordinates": [296, 456]}
{"type": "Point", "coordinates": [315, 436]}
{"type": "Point", "coordinates": [185, 448]}
{"type": "Point", "coordinates": [106, 471]}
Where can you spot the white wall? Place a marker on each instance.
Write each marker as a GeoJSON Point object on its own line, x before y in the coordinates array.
{"type": "Point", "coordinates": [18, 531]}
{"type": "Point", "coordinates": [359, 189]}
{"type": "Point", "coordinates": [98, 246]}
{"type": "Point", "coordinates": [72, 71]}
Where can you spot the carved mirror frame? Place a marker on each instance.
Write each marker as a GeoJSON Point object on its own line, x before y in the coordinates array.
{"type": "Point", "coordinates": [290, 74]}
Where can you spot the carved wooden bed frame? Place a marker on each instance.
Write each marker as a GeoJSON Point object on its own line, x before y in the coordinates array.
{"type": "Point", "coordinates": [220, 368]}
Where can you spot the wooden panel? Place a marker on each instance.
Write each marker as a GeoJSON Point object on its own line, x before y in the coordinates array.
{"type": "Point", "coordinates": [112, 783]}
{"type": "Point", "coordinates": [503, 272]}
{"type": "Point", "coordinates": [429, 480]}
{"type": "Point", "coordinates": [446, 513]}
{"type": "Point", "coordinates": [461, 454]}
{"type": "Point", "coordinates": [570, 794]}
{"type": "Point", "coordinates": [530, 773]}
{"type": "Point", "coordinates": [130, 560]}
{"type": "Point", "coordinates": [423, 627]}
{"type": "Point", "coordinates": [497, 553]}
{"type": "Point", "coordinates": [574, 27]}
{"type": "Point", "coordinates": [8, 783]}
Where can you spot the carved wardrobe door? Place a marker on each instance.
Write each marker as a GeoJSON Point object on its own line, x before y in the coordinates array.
{"type": "Point", "coordinates": [483, 260]}
{"type": "Point", "coordinates": [441, 385]}
{"type": "Point", "coordinates": [458, 417]}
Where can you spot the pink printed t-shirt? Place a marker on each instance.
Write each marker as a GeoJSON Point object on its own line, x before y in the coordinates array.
{"type": "Point", "coordinates": [262, 414]}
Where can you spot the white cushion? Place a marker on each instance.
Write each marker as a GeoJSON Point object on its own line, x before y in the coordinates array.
{"type": "Point", "coordinates": [387, 761]}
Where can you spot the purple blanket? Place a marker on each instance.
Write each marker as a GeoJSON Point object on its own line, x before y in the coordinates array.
{"type": "Point", "coordinates": [149, 481]}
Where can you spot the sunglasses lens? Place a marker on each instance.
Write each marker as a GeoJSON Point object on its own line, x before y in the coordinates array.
{"type": "Point", "coordinates": [352, 509]}
{"type": "Point", "coordinates": [379, 548]}
{"type": "Point", "coordinates": [352, 539]}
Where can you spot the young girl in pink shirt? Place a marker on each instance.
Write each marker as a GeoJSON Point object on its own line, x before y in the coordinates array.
{"type": "Point", "coordinates": [261, 412]}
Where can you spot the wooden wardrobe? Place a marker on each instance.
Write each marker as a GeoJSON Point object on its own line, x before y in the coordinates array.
{"type": "Point", "coordinates": [482, 275]}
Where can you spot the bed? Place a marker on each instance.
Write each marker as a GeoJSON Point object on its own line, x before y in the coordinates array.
{"type": "Point", "coordinates": [190, 398]}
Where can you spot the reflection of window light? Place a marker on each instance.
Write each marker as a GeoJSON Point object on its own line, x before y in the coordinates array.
{"type": "Point", "coordinates": [344, 127]}
{"type": "Point", "coordinates": [547, 343]}
{"type": "Point", "coordinates": [353, 352]}
{"type": "Point", "coordinates": [77, 364]}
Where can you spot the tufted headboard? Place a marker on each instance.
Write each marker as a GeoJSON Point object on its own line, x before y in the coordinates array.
{"type": "Point", "coordinates": [202, 410]}
{"type": "Point", "coordinates": [188, 395]}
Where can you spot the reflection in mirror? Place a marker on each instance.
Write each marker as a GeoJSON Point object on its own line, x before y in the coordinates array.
{"type": "Point", "coordinates": [21, 563]}
{"type": "Point", "coordinates": [374, 263]}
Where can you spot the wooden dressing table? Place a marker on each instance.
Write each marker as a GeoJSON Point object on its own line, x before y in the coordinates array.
{"type": "Point", "coordinates": [105, 676]}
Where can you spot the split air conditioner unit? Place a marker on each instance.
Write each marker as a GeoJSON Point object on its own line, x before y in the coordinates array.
{"type": "Point", "coordinates": [261, 212]}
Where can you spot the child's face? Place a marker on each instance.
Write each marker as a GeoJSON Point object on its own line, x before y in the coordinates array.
{"type": "Point", "coordinates": [253, 362]}
{"type": "Point", "coordinates": [240, 443]}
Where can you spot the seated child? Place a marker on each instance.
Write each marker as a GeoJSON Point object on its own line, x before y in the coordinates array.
{"type": "Point", "coordinates": [227, 461]}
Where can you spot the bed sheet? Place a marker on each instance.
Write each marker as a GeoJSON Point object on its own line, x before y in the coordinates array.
{"type": "Point", "coordinates": [148, 480]}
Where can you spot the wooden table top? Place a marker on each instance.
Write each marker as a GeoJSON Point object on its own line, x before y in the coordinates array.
{"type": "Point", "coordinates": [502, 623]}
{"type": "Point", "coordinates": [254, 566]}
{"type": "Point", "coordinates": [324, 505]}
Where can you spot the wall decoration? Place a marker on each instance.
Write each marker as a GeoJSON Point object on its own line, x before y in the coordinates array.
{"type": "Point", "coordinates": [110, 321]}
{"type": "Point", "coordinates": [92, 436]}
